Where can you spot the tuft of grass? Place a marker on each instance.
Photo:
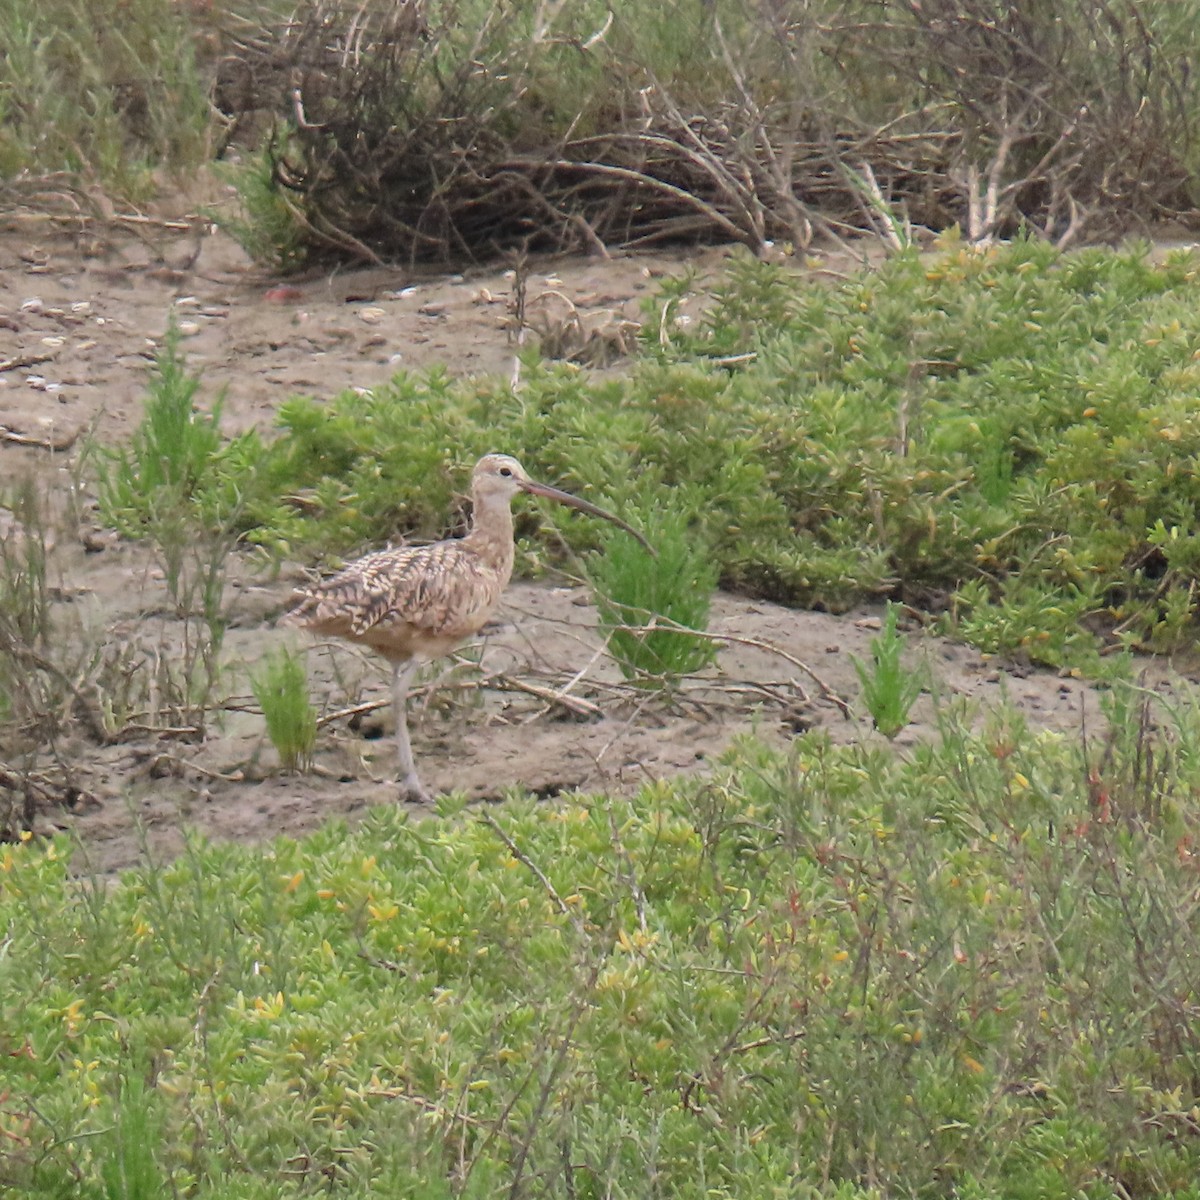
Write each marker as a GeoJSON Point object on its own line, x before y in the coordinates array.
{"type": "Point", "coordinates": [128, 1170]}
{"type": "Point", "coordinates": [634, 591]}
{"type": "Point", "coordinates": [889, 688]}
{"type": "Point", "coordinates": [281, 689]}
{"type": "Point", "coordinates": [169, 461]}
{"type": "Point", "coordinates": [24, 537]}
{"type": "Point", "coordinates": [38, 660]}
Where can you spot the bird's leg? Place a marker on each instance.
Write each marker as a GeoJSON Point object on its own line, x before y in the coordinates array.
{"type": "Point", "coordinates": [410, 785]}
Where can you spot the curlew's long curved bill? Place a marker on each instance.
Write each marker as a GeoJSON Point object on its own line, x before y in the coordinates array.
{"type": "Point", "coordinates": [553, 493]}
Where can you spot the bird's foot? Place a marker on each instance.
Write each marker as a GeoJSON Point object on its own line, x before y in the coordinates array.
{"type": "Point", "coordinates": [413, 790]}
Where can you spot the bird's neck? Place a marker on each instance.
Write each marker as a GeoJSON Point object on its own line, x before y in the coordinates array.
{"type": "Point", "coordinates": [491, 535]}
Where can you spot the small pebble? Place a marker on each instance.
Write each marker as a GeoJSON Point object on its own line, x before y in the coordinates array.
{"type": "Point", "coordinates": [283, 294]}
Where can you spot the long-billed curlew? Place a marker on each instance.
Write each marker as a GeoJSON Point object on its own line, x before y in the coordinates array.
{"type": "Point", "coordinates": [418, 602]}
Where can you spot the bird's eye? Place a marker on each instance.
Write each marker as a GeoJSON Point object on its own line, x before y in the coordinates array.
{"type": "Point", "coordinates": [506, 472]}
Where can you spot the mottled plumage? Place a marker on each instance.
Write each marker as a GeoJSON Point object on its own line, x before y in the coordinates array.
{"type": "Point", "coordinates": [419, 602]}
{"type": "Point", "coordinates": [406, 603]}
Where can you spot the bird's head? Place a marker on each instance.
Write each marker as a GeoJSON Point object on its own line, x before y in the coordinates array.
{"type": "Point", "coordinates": [500, 477]}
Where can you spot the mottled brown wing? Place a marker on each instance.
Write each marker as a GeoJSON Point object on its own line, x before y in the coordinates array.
{"type": "Point", "coordinates": [442, 589]}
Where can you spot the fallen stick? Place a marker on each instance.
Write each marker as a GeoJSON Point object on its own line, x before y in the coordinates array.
{"type": "Point", "coordinates": [581, 708]}
{"type": "Point", "coordinates": [23, 360]}
{"type": "Point", "coordinates": [54, 442]}
{"type": "Point", "coordinates": [38, 788]}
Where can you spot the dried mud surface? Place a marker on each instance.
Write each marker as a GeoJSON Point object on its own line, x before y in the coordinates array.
{"type": "Point", "coordinates": [79, 319]}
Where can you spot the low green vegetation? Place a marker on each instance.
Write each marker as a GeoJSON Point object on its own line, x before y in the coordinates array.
{"type": "Point", "coordinates": [838, 971]}
{"type": "Point", "coordinates": [846, 972]}
{"type": "Point", "coordinates": [890, 686]}
{"type": "Point", "coordinates": [267, 227]}
{"type": "Point", "coordinates": [109, 91]}
{"type": "Point", "coordinates": [1003, 433]}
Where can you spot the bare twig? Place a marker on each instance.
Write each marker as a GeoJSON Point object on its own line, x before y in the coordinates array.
{"type": "Point", "coordinates": [581, 708]}
{"type": "Point", "coordinates": [355, 710]}
{"type": "Point", "coordinates": [660, 622]}
{"type": "Point", "coordinates": [23, 360]}
{"type": "Point", "coordinates": [532, 867]}
{"type": "Point", "coordinates": [89, 709]}
{"type": "Point", "coordinates": [191, 765]}
{"type": "Point", "coordinates": [54, 442]}
{"type": "Point", "coordinates": [432, 1106]}
{"type": "Point", "coordinates": [499, 680]}
{"type": "Point", "coordinates": [630, 879]}
{"type": "Point", "coordinates": [999, 87]}
{"type": "Point", "coordinates": [43, 790]}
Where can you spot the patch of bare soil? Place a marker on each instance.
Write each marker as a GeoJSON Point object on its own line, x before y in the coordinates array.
{"type": "Point", "coordinates": [534, 705]}
{"type": "Point", "coordinates": [81, 317]}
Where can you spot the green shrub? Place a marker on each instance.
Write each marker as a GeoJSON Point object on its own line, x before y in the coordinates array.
{"type": "Point", "coordinates": [268, 229]}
